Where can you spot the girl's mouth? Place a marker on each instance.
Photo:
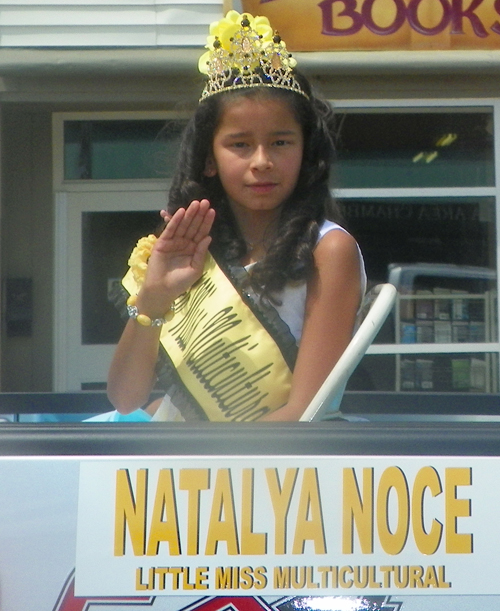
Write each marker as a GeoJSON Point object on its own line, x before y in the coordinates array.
{"type": "Point", "coordinates": [262, 187]}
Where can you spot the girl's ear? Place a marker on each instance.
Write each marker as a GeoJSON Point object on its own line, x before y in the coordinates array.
{"type": "Point", "coordinates": [210, 168]}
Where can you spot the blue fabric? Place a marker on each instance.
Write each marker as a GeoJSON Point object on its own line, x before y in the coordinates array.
{"type": "Point", "coordinates": [61, 417]}
{"type": "Point", "coordinates": [139, 415]}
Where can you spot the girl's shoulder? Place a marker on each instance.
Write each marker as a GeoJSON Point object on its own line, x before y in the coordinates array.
{"type": "Point", "coordinates": [327, 226]}
{"type": "Point", "coordinates": [335, 242]}
{"type": "Point", "coordinates": [333, 236]}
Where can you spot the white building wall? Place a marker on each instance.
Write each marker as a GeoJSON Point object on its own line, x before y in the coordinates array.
{"type": "Point", "coordinates": [111, 23]}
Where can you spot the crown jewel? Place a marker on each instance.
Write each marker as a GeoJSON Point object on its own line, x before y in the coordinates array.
{"type": "Point", "coordinates": [243, 51]}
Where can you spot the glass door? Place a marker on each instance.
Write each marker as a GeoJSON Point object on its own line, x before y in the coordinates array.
{"type": "Point", "coordinates": [97, 231]}
{"type": "Point", "coordinates": [111, 176]}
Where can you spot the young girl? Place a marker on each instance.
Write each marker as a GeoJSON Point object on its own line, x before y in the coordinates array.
{"type": "Point", "coordinates": [261, 290]}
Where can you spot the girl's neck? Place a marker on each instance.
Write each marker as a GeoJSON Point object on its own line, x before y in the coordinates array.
{"type": "Point", "coordinates": [256, 251]}
{"type": "Point", "coordinates": [258, 229]}
{"type": "Point", "coordinates": [258, 237]}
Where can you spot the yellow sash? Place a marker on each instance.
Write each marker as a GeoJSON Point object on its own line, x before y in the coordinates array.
{"type": "Point", "coordinates": [227, 360]}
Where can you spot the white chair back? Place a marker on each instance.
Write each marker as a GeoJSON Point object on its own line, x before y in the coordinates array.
{"type": "Point", "coordinates": [347, 363]}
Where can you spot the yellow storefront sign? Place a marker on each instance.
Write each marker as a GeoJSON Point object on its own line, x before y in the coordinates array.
{"type": "Point", "coordinates": [309, 25]}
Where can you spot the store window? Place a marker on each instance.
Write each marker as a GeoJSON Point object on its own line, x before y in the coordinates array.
{"type": "Point", "coordinates": [415, 148]}
{"type": "Point", "coordinates": [417, 190]}
{"type": "Point", "coordinates": [120, 149]}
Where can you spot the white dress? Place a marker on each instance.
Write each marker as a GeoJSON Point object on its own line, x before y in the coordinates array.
{"type": "Point", "coordinates": [293, 298]}
{"type": "Point", "coordinates": [291, 311]}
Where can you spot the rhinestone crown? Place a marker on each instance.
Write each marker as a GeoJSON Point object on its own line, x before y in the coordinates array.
{"type": "Point", "coordinates": [243, 51]}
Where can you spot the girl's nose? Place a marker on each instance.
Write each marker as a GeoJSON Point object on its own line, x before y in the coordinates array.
{"type": "Point", "coordinates": [261, 159]}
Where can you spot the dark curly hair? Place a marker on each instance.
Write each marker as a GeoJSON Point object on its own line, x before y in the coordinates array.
{"type": "Point", "coordinates": [290, 257]}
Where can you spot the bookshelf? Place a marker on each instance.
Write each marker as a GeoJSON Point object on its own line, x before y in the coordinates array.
{"type": "Point", "coordinates": [441, 318]}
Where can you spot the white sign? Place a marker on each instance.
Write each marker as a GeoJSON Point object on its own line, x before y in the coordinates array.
{"type": "Point", "coordinates": [288, 526]}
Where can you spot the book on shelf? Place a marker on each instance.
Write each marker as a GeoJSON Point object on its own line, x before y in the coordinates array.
{"type": "Point", "coordinates": [478, 374]}
{"type": "Point", "coordinates": [407, 374]}
{"type": "Point", "coordinates": [442, 332]}
{"type": "Point", "coordinates": [459, 306]}
{"type": "Point", "coordinates": [460, 374]}
{"type": "Point", "coordinates": [477, 331]}
{"type": "Point", "coordinates": [408, 333]}
{"type": "Point", "coordinates": [425, 331]}
{"type": "Point", "coordinates": [424, 374]}
{"type": "Point", "coordinates": [460, 332]}
{"type": "Point", "coordinates": [406, 306]}
{"type": "Point", "coordinates": [424, 308]}
{"type": "Point", "coordinates": [442, 307]}
{"type": "Point", "coordinates": [468, 374]}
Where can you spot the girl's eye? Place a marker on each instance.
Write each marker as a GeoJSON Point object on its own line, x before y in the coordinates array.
{"type": "Point", "coordinates": [239, 145]}
{"type": "Point", "coordinates": [281, 142]}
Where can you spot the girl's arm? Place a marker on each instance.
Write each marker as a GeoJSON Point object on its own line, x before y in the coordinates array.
{"type": "Point", "coordinates": [175, 264]}
{"type": "Point", "coordinates": [333, 298]}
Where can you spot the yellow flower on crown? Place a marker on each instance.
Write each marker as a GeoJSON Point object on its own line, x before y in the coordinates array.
{"type": "Point", "coordinates": [138, 260]}
{"type": "Point", "coordinates": [226, 29]}
{"type": "Point", "coordinates": [243, 51]}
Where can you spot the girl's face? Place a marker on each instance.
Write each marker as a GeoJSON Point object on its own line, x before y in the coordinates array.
{"type": "Point", "coordinates": [257, 153]}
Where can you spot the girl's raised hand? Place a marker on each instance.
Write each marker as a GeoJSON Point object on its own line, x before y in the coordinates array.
{"type": "Point", "coordinates": [178, 257]}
